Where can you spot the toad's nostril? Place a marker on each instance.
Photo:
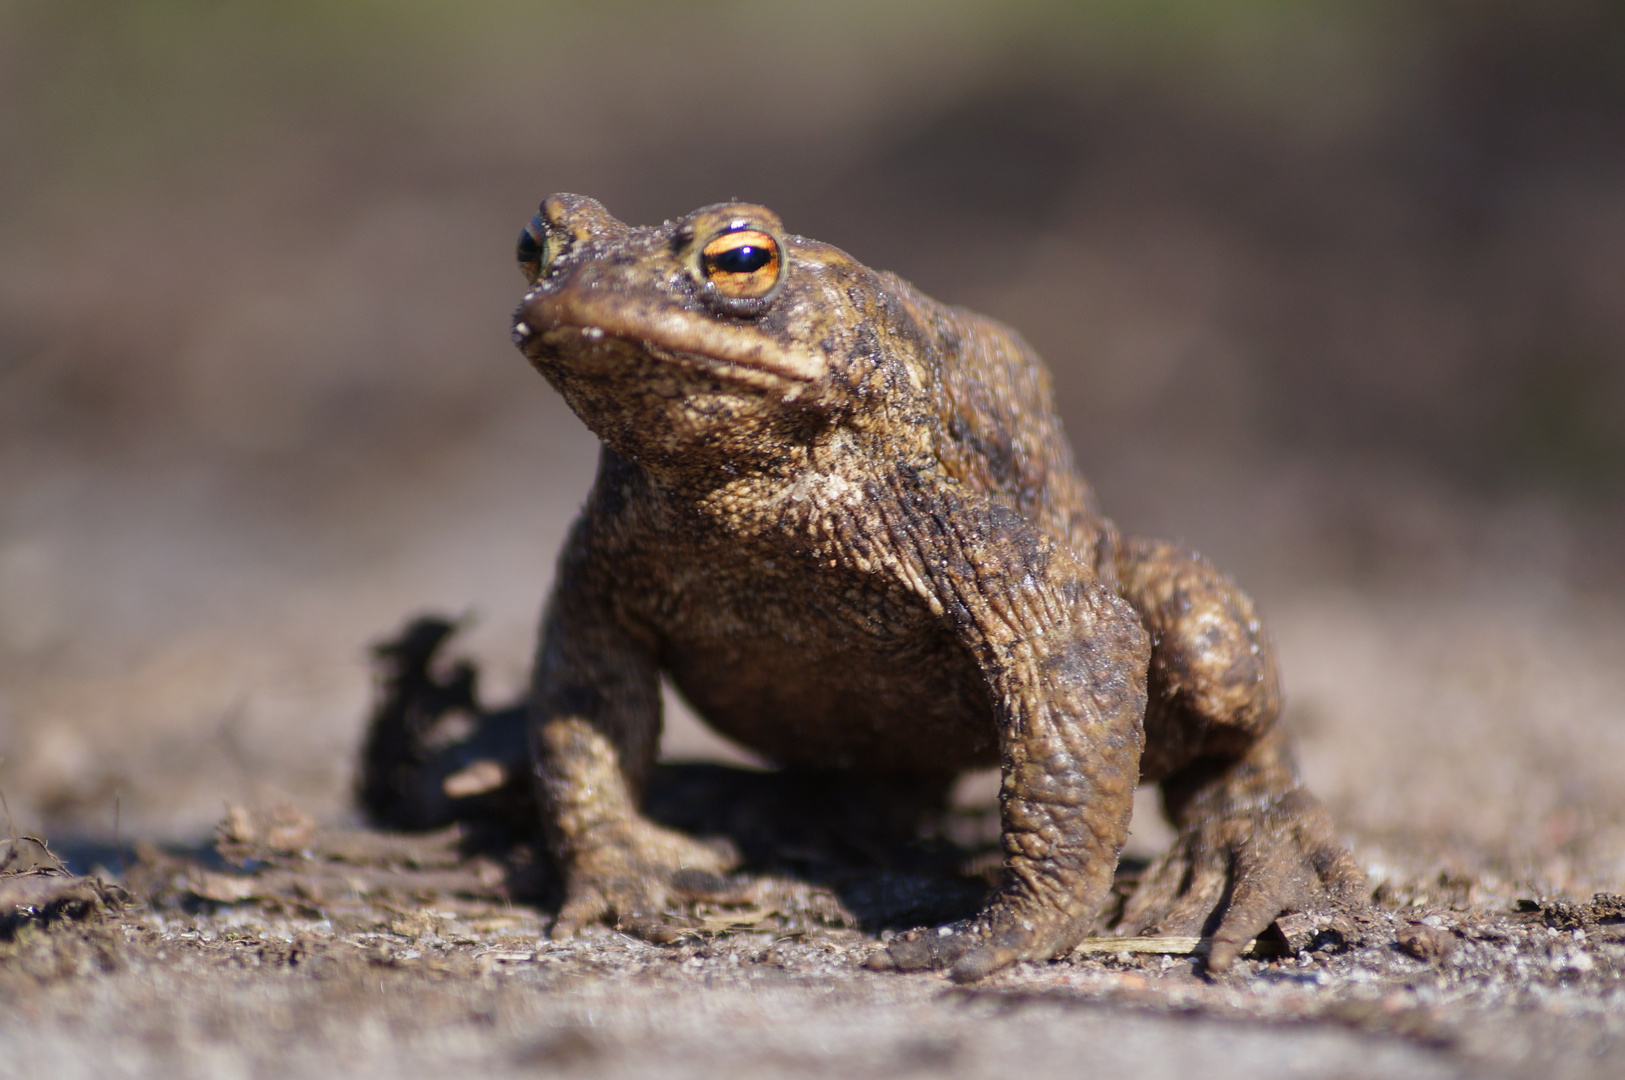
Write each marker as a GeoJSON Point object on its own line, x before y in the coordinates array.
{"type": "Point", "coordinates": [530, 252]}
{"type": "Point", "coordinates": [530, 249]}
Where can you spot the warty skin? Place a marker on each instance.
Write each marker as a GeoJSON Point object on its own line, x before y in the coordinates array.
{"type": "Point", "coordinates": [844, 520]}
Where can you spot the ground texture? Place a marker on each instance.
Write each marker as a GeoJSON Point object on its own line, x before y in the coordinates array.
{"type": "Point", "coordinates": [291, 948]}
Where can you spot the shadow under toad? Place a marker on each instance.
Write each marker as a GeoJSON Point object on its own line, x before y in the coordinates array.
{"type": "Point", "coordinates": [889, 848]}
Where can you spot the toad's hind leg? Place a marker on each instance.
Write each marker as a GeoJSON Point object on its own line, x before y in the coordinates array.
{"type": "Point", "coordinates": [1252, 841]}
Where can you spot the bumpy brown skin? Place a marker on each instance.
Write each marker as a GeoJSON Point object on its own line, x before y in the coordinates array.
{"type": "Point", "coordinates": [844, 520]}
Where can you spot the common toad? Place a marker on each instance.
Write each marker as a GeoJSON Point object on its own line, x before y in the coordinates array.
{"type": "Point", "coordinates": [843, 520]}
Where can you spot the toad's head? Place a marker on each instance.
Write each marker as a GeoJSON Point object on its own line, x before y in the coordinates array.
{"type": "Point", "coordinates": [715, 342]}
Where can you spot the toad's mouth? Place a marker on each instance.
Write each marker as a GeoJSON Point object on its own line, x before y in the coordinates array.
{"type": "Point", "coordinates": [563, 324]}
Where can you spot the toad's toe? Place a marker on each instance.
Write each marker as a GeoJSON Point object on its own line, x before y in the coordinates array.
{"type": "Point", "coordinates": [972, 949]}
{"type": "Point", "coordinates": [635, 873]}
{"type": "Point", "coordinates": [1230, 874]}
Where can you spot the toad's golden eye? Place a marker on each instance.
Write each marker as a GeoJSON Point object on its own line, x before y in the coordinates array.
{"type": "Point", "coordinates": [743, 264]}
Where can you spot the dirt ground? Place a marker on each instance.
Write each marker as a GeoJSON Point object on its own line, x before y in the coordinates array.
{"type": "Point", "coordinates": [300, 950]}
{"type": "Point", "coordinates": [1496, 944]}
{"type": "Point", "coordinates": [1334, 293]}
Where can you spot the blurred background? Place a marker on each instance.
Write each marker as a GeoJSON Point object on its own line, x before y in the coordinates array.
{"type": "Point", "coordinates": [1334, 292]}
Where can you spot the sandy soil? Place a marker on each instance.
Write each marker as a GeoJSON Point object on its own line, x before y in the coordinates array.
{"type": "Point", "coordinates": [1473, 751]}
{"type": "Point", "coordinates": [348, 952]}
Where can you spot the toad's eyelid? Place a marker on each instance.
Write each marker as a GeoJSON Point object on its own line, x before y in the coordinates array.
{"type": "Point", "coordinates": [740, 238]}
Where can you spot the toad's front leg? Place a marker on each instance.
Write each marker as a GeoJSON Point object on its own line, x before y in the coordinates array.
{"type": "Point", "coordinates": [595, 730]}
{"type": "Point", "coordinates": [1066, 666]}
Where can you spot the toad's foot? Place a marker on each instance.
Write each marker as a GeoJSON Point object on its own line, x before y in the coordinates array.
{"type": "Point", "coordinates": [1005, 932]}
{"type": "Point", "coordinates": [1239, 861]}
{"type": "Point", "coordinates": [632, 872]}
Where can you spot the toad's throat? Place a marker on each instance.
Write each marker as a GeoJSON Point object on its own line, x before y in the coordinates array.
{"type": "Point", "coordinates": [677, 335]}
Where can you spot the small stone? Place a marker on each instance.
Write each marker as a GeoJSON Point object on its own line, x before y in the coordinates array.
{"type": "Point", "coordinates": [1424, 942]}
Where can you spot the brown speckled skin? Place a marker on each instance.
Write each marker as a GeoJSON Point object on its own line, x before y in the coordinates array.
{"type": "Point", "coordinates": [845, 522]}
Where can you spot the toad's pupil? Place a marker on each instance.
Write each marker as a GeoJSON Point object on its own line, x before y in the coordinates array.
{"type": "Point", "coordinates": [744, 259]}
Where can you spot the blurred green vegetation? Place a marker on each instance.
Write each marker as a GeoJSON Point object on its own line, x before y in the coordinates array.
{"type": "Point", "coordinates": [134, 85]}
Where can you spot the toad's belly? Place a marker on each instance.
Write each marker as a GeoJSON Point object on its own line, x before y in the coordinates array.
{"type": "Point", "coordinates": [832, 673]}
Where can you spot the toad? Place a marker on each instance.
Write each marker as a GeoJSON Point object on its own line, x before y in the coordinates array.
{"type": "Point", "coordinates": [843, 520]}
